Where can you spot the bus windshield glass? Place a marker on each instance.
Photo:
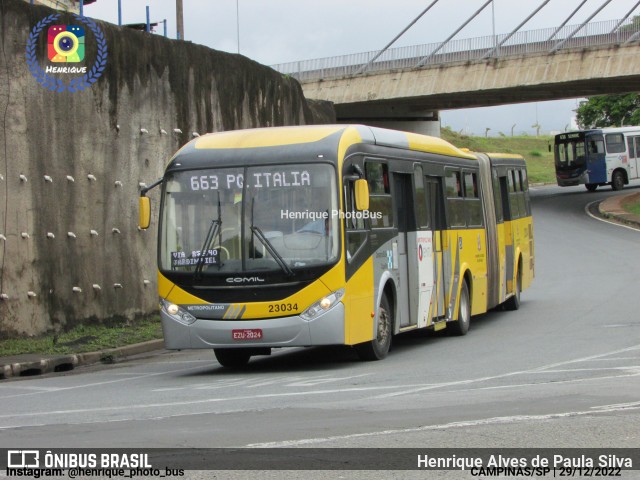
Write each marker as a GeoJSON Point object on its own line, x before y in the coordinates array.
{"type": "Point", "coordinates": [570, 150]}
{"type": "Point", "coordinates": [259, 218]}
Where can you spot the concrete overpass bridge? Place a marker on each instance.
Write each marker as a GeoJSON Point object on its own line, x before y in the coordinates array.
{"type": "Point", "coordinates": [406, 87]}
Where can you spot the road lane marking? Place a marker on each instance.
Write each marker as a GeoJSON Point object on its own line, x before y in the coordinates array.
{"type": "Point", "coordinates": [586, 209]}
{"type": "Point", "coordinates": [195, 402]}
{"type": "Point", "coordinates": [287, 381]}
{"type": "Point", "coordinates": [538, 384]}
{"type": "Point", "coordinates": [632, 368]}
{"type": "Point", "coordinates": [312, 382]}
{"type": "Point", "coordinates": [252, 397]}
{"type": "Point", "coordinates": [264, 383]}
{"type": "Point", "coordinates": [509, 374]}
{"type": "Point", "coordinates": [447, 426]}
{"type": "Point", "coordinates": [106, 382]}
{"type": "Point", "coordinates": [408, 389]}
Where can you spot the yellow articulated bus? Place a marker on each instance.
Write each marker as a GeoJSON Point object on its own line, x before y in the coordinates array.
{"type": "Point", "coordinates": [334, 235]}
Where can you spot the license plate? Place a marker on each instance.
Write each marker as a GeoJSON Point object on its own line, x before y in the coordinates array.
{"type": "Point", "coordinates": [247, 334]}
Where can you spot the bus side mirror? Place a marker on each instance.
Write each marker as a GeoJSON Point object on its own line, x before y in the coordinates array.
{"type": "Point", "coordinates": [145, 212]}
{"type": "Point", "coordinates": [362, 194]}
{"type": "Point", "coordinates": [549, 145]}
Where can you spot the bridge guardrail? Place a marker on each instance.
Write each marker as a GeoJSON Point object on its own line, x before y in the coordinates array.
{"type": "Point", "coordinates": [609, 32]}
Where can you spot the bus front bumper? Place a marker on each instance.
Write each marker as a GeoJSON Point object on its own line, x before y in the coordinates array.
{"type": "Point", "coordinates": [567, 180]}
{"type": "Point", "coordinates": [327, 329]}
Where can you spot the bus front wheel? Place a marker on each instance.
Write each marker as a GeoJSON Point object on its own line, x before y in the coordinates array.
{"type": "Point", "coordinates": [591, 186]}
{"type": "Point", "coordinates": [232, 357]}
{"type": "Point", "coordinates": [378, 348]}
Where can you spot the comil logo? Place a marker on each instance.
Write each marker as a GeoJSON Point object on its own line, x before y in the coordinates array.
{"type": "Point", "coordinates": [66, 51]}
{"type": "Point", "coordinates": [66, 43]}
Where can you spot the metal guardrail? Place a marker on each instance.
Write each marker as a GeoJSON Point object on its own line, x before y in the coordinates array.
{"type": "Point", "coordinates": [609, 32]}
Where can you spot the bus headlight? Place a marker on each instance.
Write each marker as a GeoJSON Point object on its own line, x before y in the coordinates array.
{"type": "Point", "coordinates": [177, 313]}
{"type": "Point", "coordinates": [322, 305]}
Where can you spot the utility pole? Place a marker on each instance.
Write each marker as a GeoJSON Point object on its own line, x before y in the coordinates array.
{"type": "Point", "coordinates": [179, 20]}
{"type": "Point", "coordinates": [493, 24]}
{"type": "Point", "coordinates": [238, 23]}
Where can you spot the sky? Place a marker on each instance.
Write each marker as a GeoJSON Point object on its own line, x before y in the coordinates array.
{"type": "Point", "coordinates": [280, 31]}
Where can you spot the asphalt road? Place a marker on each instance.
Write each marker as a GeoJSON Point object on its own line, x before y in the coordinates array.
{"type": "Point", "coordinates": [563, 371]}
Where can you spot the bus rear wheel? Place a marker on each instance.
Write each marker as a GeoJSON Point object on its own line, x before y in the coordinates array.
{"type": "Point", "coordinates": [461, 326]}
{"type": "Point", "coordinates": [591, 186]}
{"type": "Point", "coordinates": [232, 357]}
{"type": "Point", "coordinates": [513, 302]}
{"type": "Point", "coordinates": [378, 348]}
{"type": "Point", "coordinates": [617, 180]}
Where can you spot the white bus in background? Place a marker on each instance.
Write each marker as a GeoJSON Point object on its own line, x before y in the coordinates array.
{"type": "Point", "coordinates": [596, 157]}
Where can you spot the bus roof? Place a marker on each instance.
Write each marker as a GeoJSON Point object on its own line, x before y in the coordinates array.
{"type": "Point", "coordinates": [602, 130]}
{"type": "Point", "coordinates": [343, 137]}
{"type": "Point", "coordinates": [505, 156]}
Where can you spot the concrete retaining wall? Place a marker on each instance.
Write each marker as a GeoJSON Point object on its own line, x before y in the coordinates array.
{"type": "Point", "coordinates": [71, 164]}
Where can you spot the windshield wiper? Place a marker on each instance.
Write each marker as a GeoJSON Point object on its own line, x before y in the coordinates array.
{"type": "Point", "coordinates": [268, 245]}
{"type": "Point", "coordinates": [214, 228]}
{"type": "Point", "coordinates": [270, 248]}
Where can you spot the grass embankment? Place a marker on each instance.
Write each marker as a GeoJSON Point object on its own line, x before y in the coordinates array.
{"type": "Point", "coordinates": [633, 207]}
{"type": "Point", "coordinates": [86, 338]}
{"type": "Point", "coordinates": [535, 150]}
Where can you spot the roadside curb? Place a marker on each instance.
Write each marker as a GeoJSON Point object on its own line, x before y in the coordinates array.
{"type": "Point", "coordinates": [613, 208]}
{"type": "Point", "coordinates": [34, 364]}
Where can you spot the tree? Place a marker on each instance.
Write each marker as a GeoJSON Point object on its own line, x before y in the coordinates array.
{"type": "Point", "coordinates": [609, 111]}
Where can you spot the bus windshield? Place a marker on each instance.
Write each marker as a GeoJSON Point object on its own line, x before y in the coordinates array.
{"type": "Point", "coordinates": [257, 218]}
{"type": "Point", "coordinates": [570, 151]}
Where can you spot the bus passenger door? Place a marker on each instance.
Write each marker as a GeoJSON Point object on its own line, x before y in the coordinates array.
{"type": "Point", "coordinates": [507, 186]}
{"type": "Point", "coordinates": [435, 206]}
{"type": "Point", "coordinates": [596, 164]}
{"type": "Point", "coordinates": [407, 270]}
{"type": "Point", "coordinates": [634, 154]}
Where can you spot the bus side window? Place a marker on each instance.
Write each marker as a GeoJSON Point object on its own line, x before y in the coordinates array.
{"type": "Point", "coordinates": [634, 147]}
{"type": "Point", "coordinates": [497, 196]}
{"type": "Point", "coordinates": [355, 228]}
{"type": "Point", "coordinates": [522, 204]}
{"type": "Point", "coordinates": [506, 196]}
{"type": "Point", "coordinates": [380, 202]}
{"type": "Point", "coordinates": [472, 204]}
{"type": "Point", "coordinates": [455, 200]}
{"type": "Point", "coordinates": [615, 143]}
{"type": "Point", "coordinates": [422, 212]}
{"type": "Point", "coordinates": [514, 191]}
{"type": "Point", "coordinates": [525, 188]}
{"type": "Point", "coordinates": [595, 144]}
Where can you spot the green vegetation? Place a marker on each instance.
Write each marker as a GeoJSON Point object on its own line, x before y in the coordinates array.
{"type": "Point", "coordinates": [633, 207]}
{"type": "Point", "coordinates": [86, 338]}
{"type": "Point", "coordinates": [609, 111]}
{"type": "Point", "coordinates": [535, 150]}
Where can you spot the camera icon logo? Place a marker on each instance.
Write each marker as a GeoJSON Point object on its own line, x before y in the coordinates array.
{"type": "Point", "coordinates": [66, 43]}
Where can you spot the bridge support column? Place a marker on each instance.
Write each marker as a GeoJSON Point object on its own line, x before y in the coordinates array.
{"type": "Point", "coordinates": [397, 117]}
